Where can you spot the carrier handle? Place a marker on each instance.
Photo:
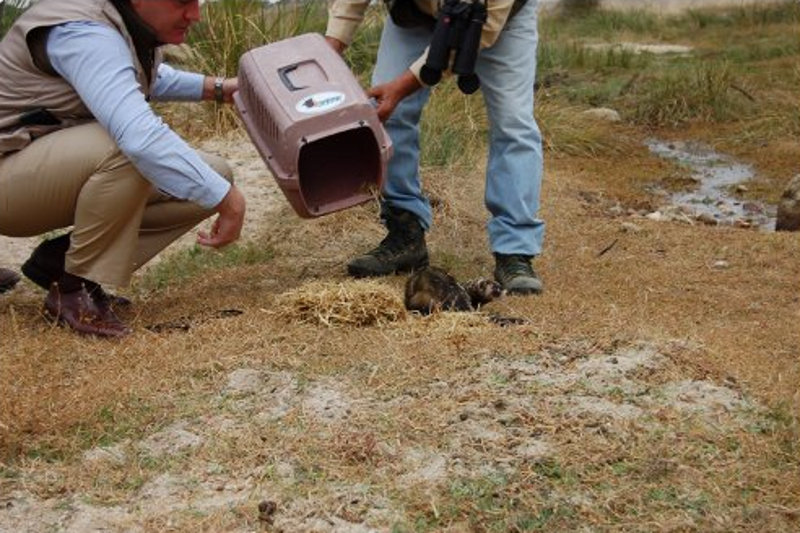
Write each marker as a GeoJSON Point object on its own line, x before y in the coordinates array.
{"type": "Point", "coordinates": [282, 73]}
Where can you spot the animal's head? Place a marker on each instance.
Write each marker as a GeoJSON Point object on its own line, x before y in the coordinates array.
{"type": "Point", "coordinates": [484, 290]}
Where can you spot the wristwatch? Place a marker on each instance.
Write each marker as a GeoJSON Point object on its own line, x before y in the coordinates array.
{"type": "Point", "coordinates": [218, 95]}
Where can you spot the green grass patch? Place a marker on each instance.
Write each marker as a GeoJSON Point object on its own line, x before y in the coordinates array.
{"type": "Point", "coordinates": [709, 92]}
{"type": "Point", "coordinates": [453, 128]}
{"type": "Point", "coordinates": [112, 424]}
{"type": "Point", "coordinates": [728, 78]}
{"type": "Point", "coordinates": [603, 24]}
{"type": "Point", "coordinates": [492, 502]}
{"type": "Point", "coordinates": [745, 16]}
{"type": "Point", "coordinates": [762, 48]}
{"type": "Point", "coordinates": [187, 264]}
{"type": "Point", "coordinates": [565, 132]}
{"type": "Point", "coordinates": [8, 14]}
{"type": "Point", "coordinates": [562, 56]}
{"type": "Point", "coordinates": [229, 28]}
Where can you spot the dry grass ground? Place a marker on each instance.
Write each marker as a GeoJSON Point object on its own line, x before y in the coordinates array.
{"type": "Point", "coordinates": [654, 386]}
{"type": "Point", "coordinates": [252, 390]}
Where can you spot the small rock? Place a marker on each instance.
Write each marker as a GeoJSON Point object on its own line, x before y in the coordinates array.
{"type": "Point", "coordinates": [725, 209]}
{"type": "Point", "coordinates": [113, 455]}
{"type": "Point", "coordinates": [720, 265]}
{"type": "Point", "coordinates": [657, 216]}
{"type": "Point", "coordinates": [615, 210]}
{"type": "Point", "coordinates": [602, 113]}
{"type": "Point", "coordinates": [707, 218]}
{"type": "Point", "coordinates": [630, 227]}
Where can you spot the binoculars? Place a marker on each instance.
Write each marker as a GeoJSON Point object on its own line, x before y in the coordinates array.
{"type": "Point", "coordinates": [457, 33]}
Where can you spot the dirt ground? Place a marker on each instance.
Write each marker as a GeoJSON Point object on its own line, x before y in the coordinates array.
{"type": "Point", "coordinates": [653, 386]}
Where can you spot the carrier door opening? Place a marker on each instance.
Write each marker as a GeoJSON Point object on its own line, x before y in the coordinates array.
{"type": "Point", "coordinates": [339, 170]}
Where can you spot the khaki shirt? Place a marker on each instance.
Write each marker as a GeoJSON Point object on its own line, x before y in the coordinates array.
{"type": "Point", "coordinates": [24, 86]}
{"type": "Point", "coordinates": [346, 15]}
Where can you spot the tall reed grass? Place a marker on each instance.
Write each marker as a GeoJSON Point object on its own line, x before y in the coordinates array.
{"type": "Point", "coordinates": [786, 11]}
{"type": "Point", "coordinates": [573, 54]}
{"type": "Point", "coordinates": [706, 91]}
{"type": "Point", "coordinates": [9, 11]}
{"type": "Point", "coordinates": [229, 28]}
{"type": "Point", "coordinates": [578, 7]}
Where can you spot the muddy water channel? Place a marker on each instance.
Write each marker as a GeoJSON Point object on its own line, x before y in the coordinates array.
{"type": "Point", "coordinates": [718, 177]}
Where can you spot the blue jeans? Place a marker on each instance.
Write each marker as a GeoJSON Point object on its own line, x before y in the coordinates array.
{"type": "Point", "coordinates": [514, 169]}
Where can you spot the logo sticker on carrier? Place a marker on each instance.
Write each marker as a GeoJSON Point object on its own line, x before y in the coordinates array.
{"type": "Point", "coordinates": [319, 102]}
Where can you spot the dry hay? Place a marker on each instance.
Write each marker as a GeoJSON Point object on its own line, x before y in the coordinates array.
{"type": "Point", "coordinates": [346, 303]}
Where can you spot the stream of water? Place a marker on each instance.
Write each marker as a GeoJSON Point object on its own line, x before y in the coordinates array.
{"type": "Point", "coordinates": [717, 177]}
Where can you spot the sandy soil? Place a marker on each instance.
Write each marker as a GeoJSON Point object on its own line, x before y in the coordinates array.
{"type": "Point", "coordinates": [486, 434]}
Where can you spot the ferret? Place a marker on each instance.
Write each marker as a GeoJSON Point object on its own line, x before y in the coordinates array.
{"type": "Point", "coordinates": [432, 289]}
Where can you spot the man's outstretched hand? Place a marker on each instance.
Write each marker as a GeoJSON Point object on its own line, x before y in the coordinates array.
{"type": "Point", "coordinates": [228, 225]}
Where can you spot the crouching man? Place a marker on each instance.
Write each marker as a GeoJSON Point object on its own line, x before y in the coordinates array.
{"type": "Point", "coordinates": [80, 146]}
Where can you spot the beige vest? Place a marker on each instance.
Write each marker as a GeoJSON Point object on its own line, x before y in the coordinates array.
{"type": "Point", "coordinates": [24, 87]}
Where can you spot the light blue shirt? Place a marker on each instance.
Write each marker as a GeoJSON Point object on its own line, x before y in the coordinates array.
{"type": "Point", "coordinates": [97, 62]}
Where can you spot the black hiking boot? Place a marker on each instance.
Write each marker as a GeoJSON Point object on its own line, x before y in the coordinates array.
{"type": "Point", "coordinates": [402, 250]}
{"type": "Point", "coordinates": [515, 274]}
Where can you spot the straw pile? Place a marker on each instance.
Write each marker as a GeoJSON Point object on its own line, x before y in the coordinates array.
{"type": "Point", "coordinates": [347, 303]}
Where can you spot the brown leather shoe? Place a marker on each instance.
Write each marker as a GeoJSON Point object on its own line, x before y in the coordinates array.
{"type": "Point", "coordinates": [82, 313]}
{"type": "Point", "coordinates": [106, 303]}
{"type": "Point", "coordinates": [46, 266]}
{"type": "Point", "coordinates": [8, 278]}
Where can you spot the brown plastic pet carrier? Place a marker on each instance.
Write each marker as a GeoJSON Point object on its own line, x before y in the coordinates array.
{"type": "Point", "coordinates": [313, 124]}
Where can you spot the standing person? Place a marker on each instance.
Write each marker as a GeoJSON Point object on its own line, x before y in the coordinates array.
{"type": "Point", "coordinates": [506, 67]}
{"type": "Point", "coordinates": [80, 146]}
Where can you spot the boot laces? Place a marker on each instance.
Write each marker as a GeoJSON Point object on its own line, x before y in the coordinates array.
{"type": "Point", "coordinates": [514, 266]}
{"type": "Point", "coordinates": [393, 244]}
{"type": "Point", "coordinates": [402, 236]}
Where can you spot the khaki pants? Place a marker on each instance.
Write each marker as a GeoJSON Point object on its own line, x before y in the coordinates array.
{"type": "Point", "coordinates": [78, 177]}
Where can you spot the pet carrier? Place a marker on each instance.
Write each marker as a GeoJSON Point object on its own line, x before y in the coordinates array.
{"type": "Point", "coordinates": [313, 124]}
